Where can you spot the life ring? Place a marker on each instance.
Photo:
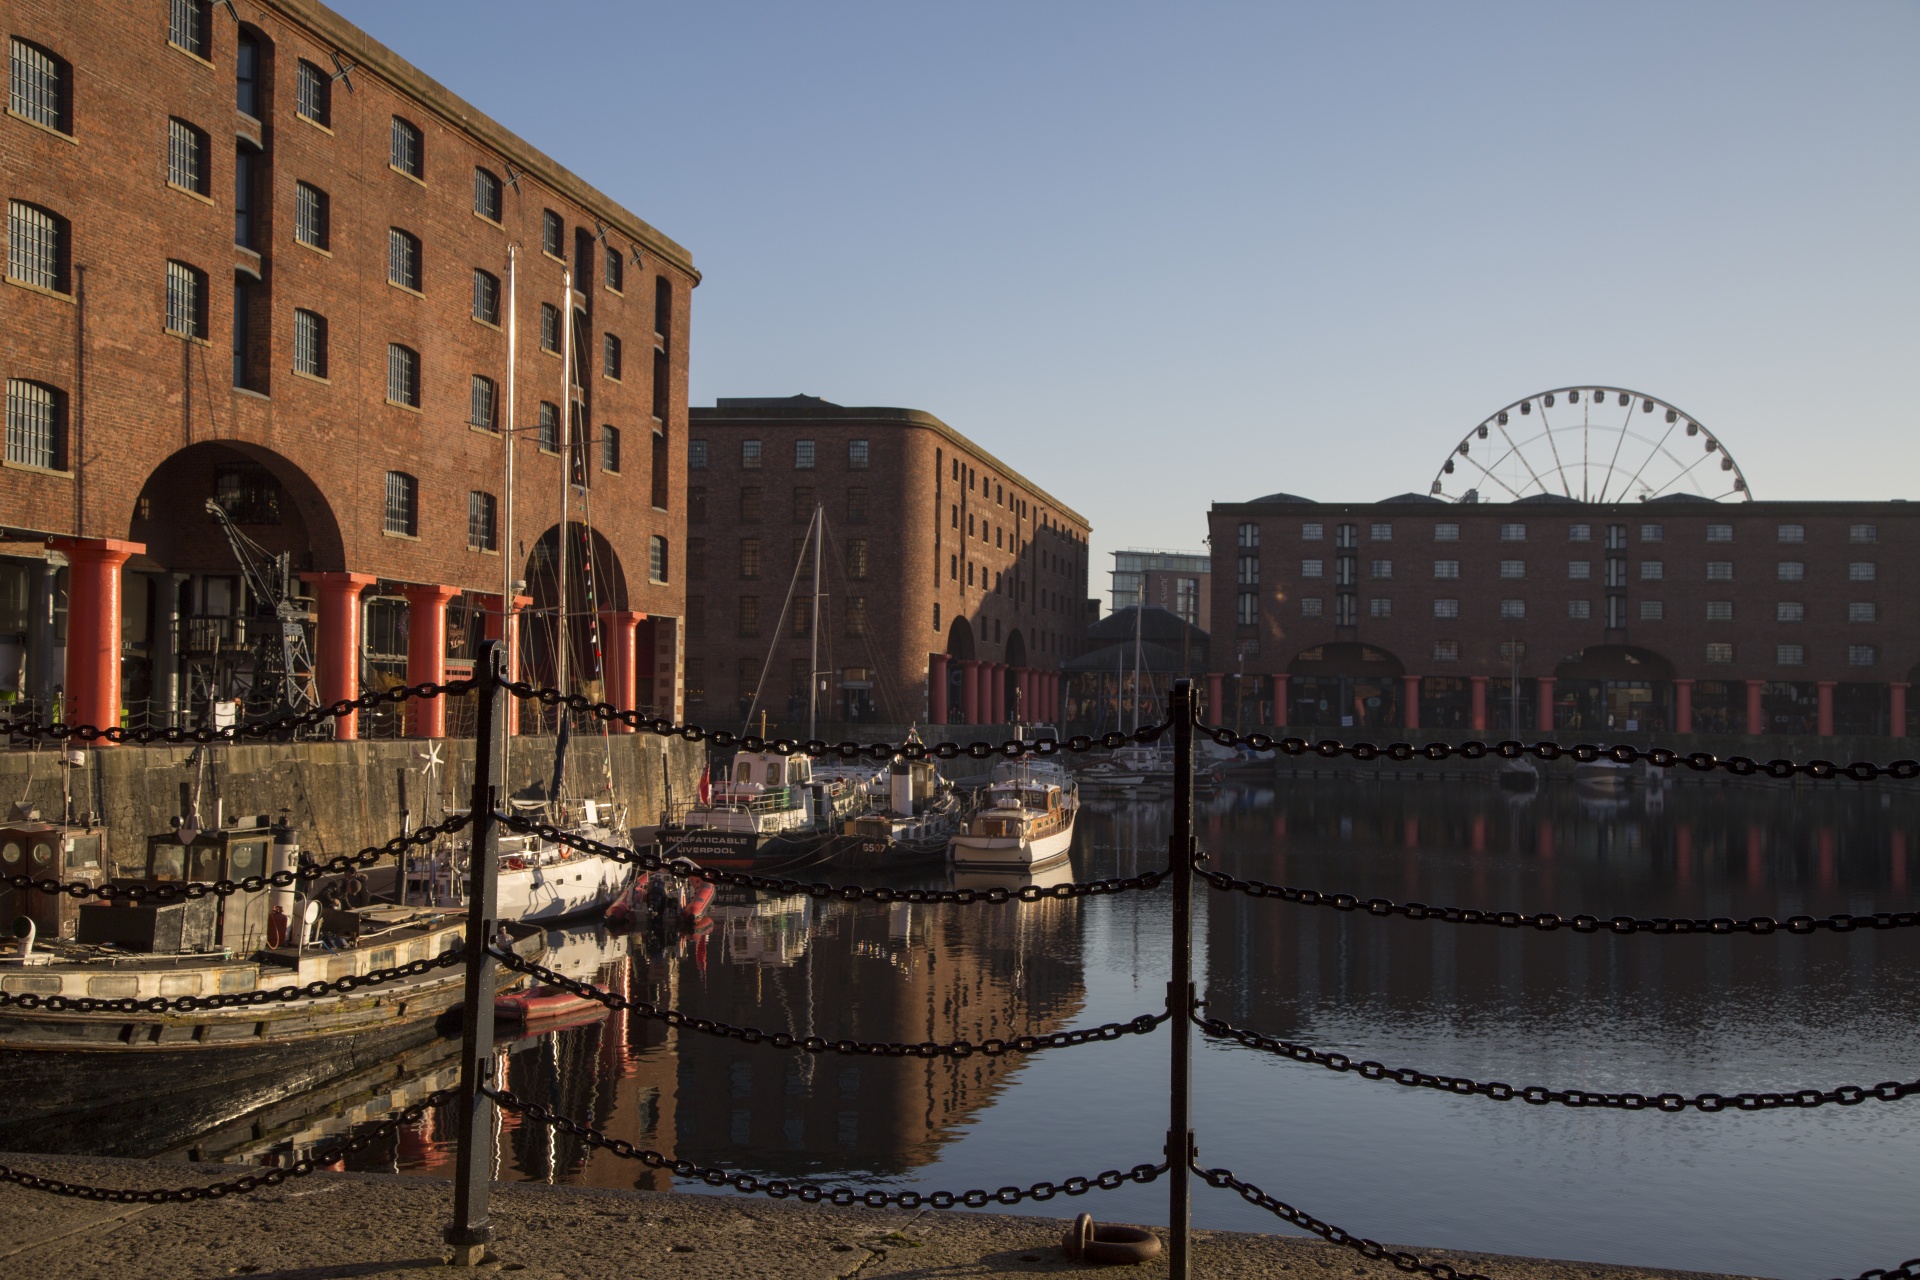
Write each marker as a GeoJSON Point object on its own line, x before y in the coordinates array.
{"type": "Point", "coordinates": [1086, 1241]}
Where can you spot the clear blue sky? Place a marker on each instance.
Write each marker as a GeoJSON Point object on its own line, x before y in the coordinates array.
{"type": "Point", "coordinates": [1160, 256]}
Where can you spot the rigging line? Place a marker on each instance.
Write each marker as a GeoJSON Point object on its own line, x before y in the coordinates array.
{"type": "Point", "coordinates": [1555, 446]}
{"type": "Point", "coordinates": [1618, 444]}
{"type": "Point", "coordinates": [1658, 447]}
{"type": "Point", "coordinates": [1501, 427]}
{"type": "Point", "coordinates": [779, 629]}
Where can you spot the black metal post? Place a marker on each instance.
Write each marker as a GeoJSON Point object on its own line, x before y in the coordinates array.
{"type": "Point", "coordinates": [470, 1230]}
{"type": "Point", "coordinates": [1180, 991]}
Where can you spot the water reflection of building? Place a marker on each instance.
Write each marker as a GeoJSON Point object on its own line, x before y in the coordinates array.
{"type": "Point", "coordinates": [1735, 851]}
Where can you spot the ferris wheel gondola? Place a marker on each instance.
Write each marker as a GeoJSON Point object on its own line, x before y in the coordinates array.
{"type": "Point", "coordinates": [1590, 444]}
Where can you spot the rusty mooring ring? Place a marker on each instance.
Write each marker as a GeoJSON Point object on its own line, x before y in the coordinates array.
{"type": "Point", "coordinates": [1087, 1241]}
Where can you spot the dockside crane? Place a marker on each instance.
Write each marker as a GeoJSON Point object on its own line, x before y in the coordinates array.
{"type": "Point", "coordinates": [277, 637]}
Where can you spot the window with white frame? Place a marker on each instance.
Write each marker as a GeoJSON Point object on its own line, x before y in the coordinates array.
{"type": "Point", "coordinates": [1579, 570]}
{"type": "Point", "coordinates": [1861, 655]}
{"type": "Point", "coordinates": [1791, 533]}
{"type": "Point", "coordinates": [1247, 536]}
{"type": "Point", "coordinates": [1247, 571]}
{"type": "Point", "coordinates": [1580, 610]}
{"type": "Point", "coordinates": [1446, 608]}
{"type": "Point", "coordinates": [188, 158]}
{"type": "Point", "coordinates": [36, 425]}
{"type": "Point", "coordinates": [1380, 532]}
{"type": "Point", "coordinates": [1861, 571]}
{"type": "Point", "coordinates": [403, 375]}
{"type": "Point", "coordinates": [1863, 611]}
{"type": "Point", "coordinates": [1313, 568]}
{"type": "Point", "coordinates": [1653, 533]}
{"type": "Point", "coordinates": [1446, 568]}
{"type": "Point", "coordinates": [1446, 651]}
{"type": "Point", "coordinates": [1791, 571]}
{"type": "Point", "coordinates": [1719, 533]}
{"type": "Point", "coordinates": [1512, 569]}
{"type": "Point", "coordinates": [1863, 533]}
{"type": "Point", "coordinates": [1579, 533]}
{"type": "Point", "coordinates": [1653, 570]}
{"type": "Point", "coordinates": [310, 215]}
{"type": "Point", "coordinates": [313, 94]}
{"type": "Point", "coordinates": [1789, 611]}
{"type": "Point", "coordinates": [1247, 608]}
{"type": "Point", "coordinates": [1719, 611]}
{"type": "Point", "coordinates": [1719, 571]}
{"type": "Point", "coordinates": [1379, 607]}
{"type": "Point", "coordinates": [38, 87]}
{"type": "Point", "coordinates": [1312, 531]}
{"type": "Point", "coordinates": [1312, 607]}
{"type": "Point", "coordinates": [1513, 608]}
{"type": "Point", "coordinates": [1790, 655]}
{"type": "Point", "coordinates": [1719, 653]}
{"type": "Point", "coordinates": [1653, 611]}
{"type": "Point", "coordinates": [36, 247]}
{"type": "Point", "coordinates": [803, 455]}
{"type": "Point", "coordinates": [186, 300]}
{"type": "Point", "coordinates": [403, 505]}
{"type": "Point", "coordinates": [1513, 533]}
{"type": "Point", "coordinates": [1381, 569]}
{"type": "Point", "coordinates": [1446, 532]}
{"type": "Point", "coordinates": [309, 343]}
{"type": "Point", "coordinates": [482, 530]}
{"type": "Point", "coordinates": [403, 259]}
{"type": "Point", "coordinates": [407, 148]}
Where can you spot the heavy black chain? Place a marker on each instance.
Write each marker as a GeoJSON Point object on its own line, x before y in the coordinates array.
{"type": "Point", "coordinates": [230, 999]}
{"type": "Point", "coordinates": [813, 1193]}
{"type": "Point", "coordinates": [1549, 921]}
{"type": "Point", "coordinates": [1908, 1270]}
{"type": "Point", "coordinates": [992, 1048]}
{"type": "Point", "coordinates": [31, 727]}
{"type": "Point", "coordinates": [648, 860]}
{"type": "Point", "coordinates": [1369, 1249]}
{"type": "Point", "coordinates": [1585, 753]}
{"type": "Point", "coordinates": [1846, 1095]}
{"type": "Point", "coordinates": [1010, 749]}
{"type": "Point", "coordinates": [170, 891]}
{"type": "Point", "coordinates": [322, 1156]}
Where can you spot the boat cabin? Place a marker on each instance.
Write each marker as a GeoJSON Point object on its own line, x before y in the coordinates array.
{"type": "Point", "coordinates": [757, 772]}
{"type": "Point", "coordinates": [235, 923]}
{"type": "Point", "coordinates": [48, 851]}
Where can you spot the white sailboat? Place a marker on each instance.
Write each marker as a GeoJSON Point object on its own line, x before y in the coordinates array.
{"type": "Point", "coordinates": [1024, 821]}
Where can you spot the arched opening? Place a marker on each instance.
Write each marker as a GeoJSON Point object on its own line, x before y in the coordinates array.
{"type": "Point", "coordinates": [1016, 660]}
{"type": "Point", "coordinates": [959, 649]}
{"type": "Point", "coordinates": [201, 607]}
{"type": "Point", "coordinates": [1344, 685]}
{"type": "Point", "coordinates": [596, 586]}
{"type": "Point", "coordinates": [1613, 686]}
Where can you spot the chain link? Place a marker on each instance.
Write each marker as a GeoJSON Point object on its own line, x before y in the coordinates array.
{"type": "Point", "coordinates": [648, 860]}
{"type": "Point", "coordinates": [169, 891]}
{"type": "Point", "coordinates": [1372, 1250]}
{"type": "Point", "coordinates": [955, 1049]}
{"type": "Point", "coordinates": [330, 1153]}
{"type": "Point", "coordinates": [31, 727]}
{"type": "Point", "coordinates": [1548, 921]}
{"type": "Point", "coordinates": [1585, 753]}
{"type": "Point", "coordinates": [1908, 1270]}
{"type": "Point", "coordinates": [314, 990]}
{"type": "Point", "coordinates": [1846, 1095]}
{"type": "Point", "coordinates": [813, 1193]}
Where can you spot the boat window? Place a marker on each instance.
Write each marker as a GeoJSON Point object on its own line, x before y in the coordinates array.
{"type": "Point", "coordinates": [742, 771]}
{"type": "Point", "coordinates": [249, 856]}
{"type": "Point", "coordinates": [169, 862]}
{"type": "Point", "coordinates": [42, 855]}
{"type": "Point", "coordinates": [205, 861]}
{"type": "Point", "coordinates": [11, 853]}
{"type": "Point", "coordinates": [83, 851]}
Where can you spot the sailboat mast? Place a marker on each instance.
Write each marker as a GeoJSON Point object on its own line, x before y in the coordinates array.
{"type": "Point", "coordinates": [813, 661]}
{"type": "Point", "coordinates": [1136, 655]}
{"type": "Point", "coordinates": [566, 479]}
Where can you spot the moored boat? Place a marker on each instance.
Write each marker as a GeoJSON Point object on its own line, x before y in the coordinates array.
{"type": "Point", "coordinates": [1024, 820]}
{"type": "Point", "coordinates": [913, 815]}
{"type": "Point", "coordinates": [766, 811]}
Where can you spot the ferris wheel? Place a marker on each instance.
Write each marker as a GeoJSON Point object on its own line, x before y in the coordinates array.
{"type": "Point", "coordinates": [1590, 444]}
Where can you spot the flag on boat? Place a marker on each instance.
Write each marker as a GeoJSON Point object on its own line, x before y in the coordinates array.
{"type": "Point", "coordinates": [706, 785]}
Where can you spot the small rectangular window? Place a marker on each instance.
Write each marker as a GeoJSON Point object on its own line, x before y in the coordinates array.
{"type": "Point", "coordinates": [482, 409]}
{"type": "Point", "coordinates": [749, 626]}
{"type": "Point", "coordinates": [1513, 533]}
{"type": "Point", "coordinates": [1513, 568]}
{"type": "Point", "coordinates": [857, 455]}
{"type": "Point", "coordinates": [1792, 533]}
{"type": "Point", "coordinates": [856, 506]}
{"type": "Point", "coordinates": [1580, 610]}
{"type": "Point", "coordinates": [803, 455]}
{"type": "Point", "coordinates": [1616, 611]}
{"type": "Point", "coordinates": [1653, 570]}
{"type": "Point", "coordinates": [1446, 651]}
{"type": "Point", "coordinates": [548, 436]}
{"type": "Point", "coordinates": [1513, 608]}
{"type": "Point", "coordinates": [1345, 535]}
{"type": "Point", "coordinates": [750, 504]}
{"type": "Point", "coordinates": [36, 247]}
{"type": "Point", "coordinates": [696, 504]}
{"type": "Point", "coordinates": [1653, 533]}
{"type": "Point", "coordinates": [1312, 607]}
{"type": "Point", "coordinates": [487, 194]}
{"type": "Point", "coordinates": [403, 375]}
{"type": "Point", "coordinates": [549, 328]}
{"type": "Point", "coordinates": [615, 269]}
{"type": "Point", "coordinates": [1380, 533]}
{"type": "Point", "coordinates": [1446, 533]}
{"type": "Point", "coordinates": [407, 148]}
{"type": "Point", "coordinates": [1381, 568]}
{"type": "Point", "coordinates": [1719, 611]}
{"type": "Point", "coordinates": [36, 425]}
{"type": "Point", "coordinates": [1863, 533]}
{"type": "Point", "coordinates": [1248, 536]}
{"type": "Point", "coordinates": [481, 532]}
{"type": "Point", "coordinates": [1313, 568]}
{"type": "Point", "coordinates": [310, 215]}
{"type": "Point", "coordinates": [402, 514]}
{"type": "Point", "coordinates": [1791, 571]}
{"type": "Point", "coordinates": [1579, 533]}
{"type": "Point", "coordinates": [856, 615]}
{"type": "Point", "coordinates": [313, 94]}
{"type": "Point", "coordinates": [1719, 654]}
{"type": "Point", "coordinates": [1861, 655]}
{"type": "Point", "coordinates": [1789, 611]}
{"type": "Point", "coordinates": [1616, 537]}
{"type": "Point", "coordinates": [187, 25]}
{"type": "Point", "coordinates": [309, 343]}
{"type": "Point", "coordinates": [486, 297]}
{"type": "Point", "coordinates": [39, 87]}
{"type": "Point", "coordinates": [403, 259]}
{"type": "Point", "coordinates": [1446, 568]}
{"type": "Point", "coordinates": [1312, 531]}
{"type": "Point", "coordinates": [1579, 570]}
{"type": "Point", "coordinates": [1446, 608]}
{"type": "Point", "coordinates": [749, 557]}
{"type": "Point", "coordinates": [1861, 571]}
{"type": "Point", "coordinates": [187, 157]}
{"type": "Point", "coordinates": [552, 234]}
{"type": "Point", "coordinates": [1246, 607]}
{"type": "Point", "coordinates": [610, 356]}
{"type": "Point", "coordinates": [1719, 571]}
{"type": "Point", "coordinates": [1248, 570]}
{"type": "Point", "coordinates": [609, 448]}
{"type": "Point", "coordinates": [656, 558]}
{"type": "Point", "coordinates": [1863, 611]}
{"type": "Point", "coordinates": [750, 455]}
{"type": "Point", "coordinates": [1652, 611]}
{"type": "Point", "coordinates": [186, 300]}
{"type": "Point", "coordinates": [696, 455]}
{"type": "Point", "coordinates": [1790, 655]}
{"type": "Point", "coordinates": [1379, 607]}
{"type": "Point", "coordinates": [856, 558]}
{"type": "Point", "coordinates": [1719, 533]}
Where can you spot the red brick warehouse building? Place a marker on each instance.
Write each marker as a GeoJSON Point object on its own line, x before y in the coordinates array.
{"type": "Point", "coordinates": [256, 257]}
{"type": "Point", "coordinates": [953, 586]}
{"type": "Point", "coordinates": [1587, 560]}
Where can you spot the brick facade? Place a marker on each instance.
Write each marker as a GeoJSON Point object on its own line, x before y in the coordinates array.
{"type": "Point", "coordinates": [156, 422]}
{"type": "Point", "coordinates": [1678, 615]}
{"type": "Point", "coordinates": [964, 569]}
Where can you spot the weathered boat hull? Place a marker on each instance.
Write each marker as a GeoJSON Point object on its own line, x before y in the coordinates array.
{"type": "Point", "coordinates": [742, 850]}
{"type": "Point", "coordinates": [1012, 853]}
